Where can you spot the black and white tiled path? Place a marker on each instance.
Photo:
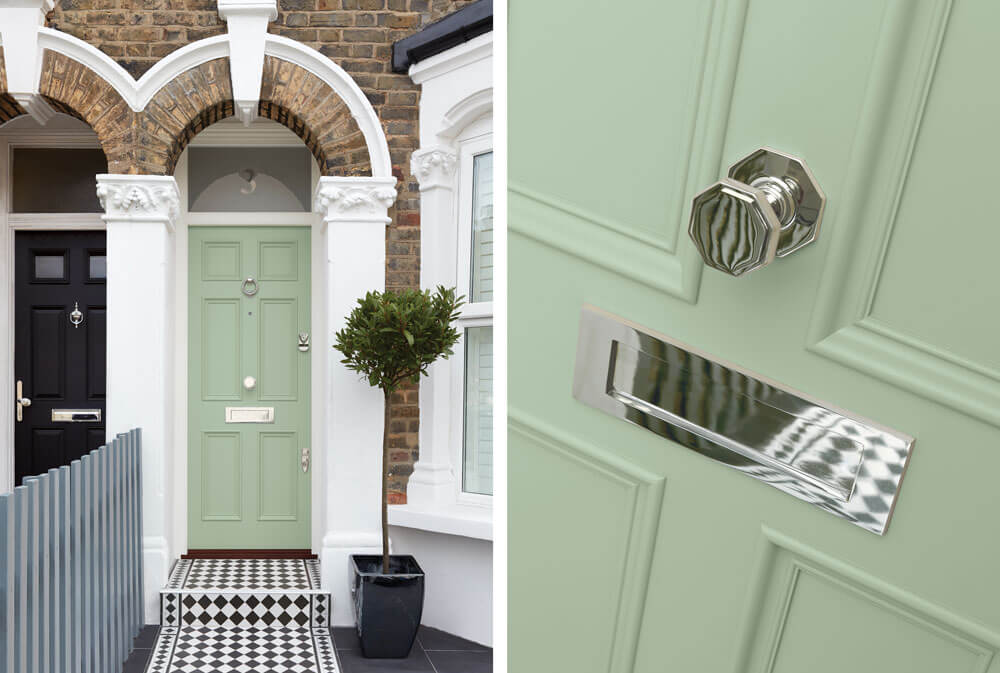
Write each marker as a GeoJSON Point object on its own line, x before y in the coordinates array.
{"type": "Point", "coordinates": [434, 652]}
{"type": "Point", "coordinates": [243, 616]}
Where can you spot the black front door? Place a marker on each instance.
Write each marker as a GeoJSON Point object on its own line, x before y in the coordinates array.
{"type": "Point", "coordinates": [60, 328]}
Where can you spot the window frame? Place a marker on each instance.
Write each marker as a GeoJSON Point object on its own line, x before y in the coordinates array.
{"type": "Point", "coordinates": [475, 139]}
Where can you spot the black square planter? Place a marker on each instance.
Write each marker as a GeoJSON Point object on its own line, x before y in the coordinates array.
{"type": "Point", "coordinates": [387, 607]}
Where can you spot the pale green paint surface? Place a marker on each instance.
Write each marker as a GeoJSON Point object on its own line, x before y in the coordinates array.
{"type": "Point", "coordinates": [246, 488]}
{"type": "Point", "coordinates": [848, 96]}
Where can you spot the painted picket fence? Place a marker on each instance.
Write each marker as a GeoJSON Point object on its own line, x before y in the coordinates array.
{"type": "Point", "coordinates": [71, 564]}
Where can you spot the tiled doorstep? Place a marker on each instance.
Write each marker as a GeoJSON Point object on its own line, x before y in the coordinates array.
{"type": "Point", "coordinates": [434, 652]}
{"type": "Point", "coordinates": [245, 593]}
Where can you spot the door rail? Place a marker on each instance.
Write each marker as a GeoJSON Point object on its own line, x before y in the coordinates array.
{"type": "Point", "coordinates": [71, 564]}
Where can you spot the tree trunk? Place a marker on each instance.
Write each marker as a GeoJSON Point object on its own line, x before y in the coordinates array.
{"type": "Point", "coordinates": [385, 487]}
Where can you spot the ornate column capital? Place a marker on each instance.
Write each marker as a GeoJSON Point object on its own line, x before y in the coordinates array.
{"type": "Point", "coordinates": [434, 167]}
{"type": "Point", "coordinates": [139, 198]}
{"type": "Point", "coordinates": [354, 199]}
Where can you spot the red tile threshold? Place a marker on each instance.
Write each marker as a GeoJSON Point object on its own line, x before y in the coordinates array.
{"type": "Point", "coordinates": [249, 554]}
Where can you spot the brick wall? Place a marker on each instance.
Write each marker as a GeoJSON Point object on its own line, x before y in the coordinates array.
{"type": "Point", "coordinates": [8, 106]}
{"type": "Point", "coordinates": [358, 35]}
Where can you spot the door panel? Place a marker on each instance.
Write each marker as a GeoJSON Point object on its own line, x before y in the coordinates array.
{"type": "Point", "coordinates": [278, 476]}
{"type": "Point", "coordinates": [276, 363]}
{"type": "Point", "coordinates": [222, 491]}
{"type": "Point", "coordinates": [97, 358]}
{"type": "Point", "coordinates": [221, 346]}
{"type": "Point", "coordinates": [880, 316]}
{"type": "Point", "coordinates": [246, 485]}
{"type": "Point", "coordinates": [61, 366]}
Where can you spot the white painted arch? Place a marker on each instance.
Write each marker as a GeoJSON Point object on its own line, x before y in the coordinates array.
{"type": "Point", "coordinates": [138, 93]}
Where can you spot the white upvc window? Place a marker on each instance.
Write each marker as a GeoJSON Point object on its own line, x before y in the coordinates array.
{"type": "Point", "coordinates": [450, 489]}
{"type": "Point", "coordinates": [472, 373]}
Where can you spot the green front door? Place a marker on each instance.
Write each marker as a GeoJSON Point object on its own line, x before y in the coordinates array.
{"type": "Point", "coordinates": [248, 393]}
{"type": "Point", "coordinates": [629, 552]}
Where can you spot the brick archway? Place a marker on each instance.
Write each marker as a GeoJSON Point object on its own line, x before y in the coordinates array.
{"type": "Point", "coordinates": [151, 141]}
{"type": "Point", "coordinates": [296, 99]}
{"type": "Point", "coordinates": [9, 107]}
{"type": "Point", "coordinates": [310, 107]}
{"type": "Point", "coordinates": [135, 143]}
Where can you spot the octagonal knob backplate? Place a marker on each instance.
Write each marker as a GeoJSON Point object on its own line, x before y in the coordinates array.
{"type": "Point", "coordinates": [769, 206]}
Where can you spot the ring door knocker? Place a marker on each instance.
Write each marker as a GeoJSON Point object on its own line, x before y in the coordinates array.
{"type": "Point", "coordinates": [249, 287]}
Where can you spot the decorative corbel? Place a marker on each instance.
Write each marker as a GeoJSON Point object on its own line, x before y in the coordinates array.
{"type": "Point", "coordinates": [354, 199]}
{"type": "Point", "coordinates": [434, 167]}
{"type": "Point", "coordinates": [139, 198]}
{"type": "Point", "coordinates": [19, 24]}
{"type": "Point", "coordinates": [247, 25]}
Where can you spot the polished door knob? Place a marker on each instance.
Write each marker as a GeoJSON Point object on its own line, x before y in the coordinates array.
{"type": "Point", "coordinates": [769, 206]}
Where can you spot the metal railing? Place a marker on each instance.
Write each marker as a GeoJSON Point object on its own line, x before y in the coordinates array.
{"type": "Point", "coordinates": [71, 564]}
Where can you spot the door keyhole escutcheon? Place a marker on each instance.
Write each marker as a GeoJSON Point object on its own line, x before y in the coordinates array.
{"type": "Point", "coordinates": [769, 206]}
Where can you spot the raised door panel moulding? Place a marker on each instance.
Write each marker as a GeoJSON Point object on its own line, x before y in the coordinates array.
{"type": "Point", "coordinates": [646, 500]}
{"type": "Point", "coordinates": [798, 595]}
{"type": "Point", "coordinates": [664, 262]}
{"type": "Point", "coordinates": [842, 327]}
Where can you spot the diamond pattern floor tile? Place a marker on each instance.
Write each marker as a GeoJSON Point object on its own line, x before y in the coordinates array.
{"type": "Point", "coordinates": [242, 616]}
{"type": "Point", "coordinates": [220, 650]}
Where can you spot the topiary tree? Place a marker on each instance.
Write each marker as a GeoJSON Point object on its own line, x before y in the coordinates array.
{"type": "Point", "coordinates": [392, 337]}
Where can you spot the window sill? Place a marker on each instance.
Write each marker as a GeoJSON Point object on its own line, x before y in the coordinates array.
{"type": "Point", "coordinates": [463, 520]}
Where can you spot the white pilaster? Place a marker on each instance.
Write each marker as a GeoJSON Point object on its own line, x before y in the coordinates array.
{"type": "Point", "coordinates": [19, 24]}
{"type": "Point", "coordinates": [433, 479]}
{"type": "Point", "coordinates": [140, 211]}
{"type": "Point", "coordinates": [355, 212]}
{"type": "Point", "coordinates": [247, 26]}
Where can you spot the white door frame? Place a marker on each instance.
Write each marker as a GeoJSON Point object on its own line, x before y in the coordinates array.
{"type": "Point", "coordinates": [259, 134]}
{"type": "Point", "coordinates": [12, 136]}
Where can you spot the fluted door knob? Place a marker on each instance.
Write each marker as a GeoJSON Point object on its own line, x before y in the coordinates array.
{"type": "Point", "coordinates": [769, 206]}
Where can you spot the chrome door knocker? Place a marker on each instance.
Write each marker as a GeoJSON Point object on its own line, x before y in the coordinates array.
{"type": "Point", "coordinates": [304, 341]}
{"type": "Point", "coordinates": [249, 287]}
{"type": "Point", "coordinates": [76, 317]}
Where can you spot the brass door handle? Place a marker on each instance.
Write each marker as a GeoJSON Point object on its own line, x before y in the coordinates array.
{"type": "Point", "coordinates": [769, 206]}
{"type": "Point", "coordinates": [21, 401]}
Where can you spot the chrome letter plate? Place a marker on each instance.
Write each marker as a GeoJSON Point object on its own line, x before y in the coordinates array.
{"type": "Point", "coordinates": [249, 414]}
{"type": "Point", "coordinates": [832, 459]}
{"type": "Point", "coordinates": [76, 415]}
